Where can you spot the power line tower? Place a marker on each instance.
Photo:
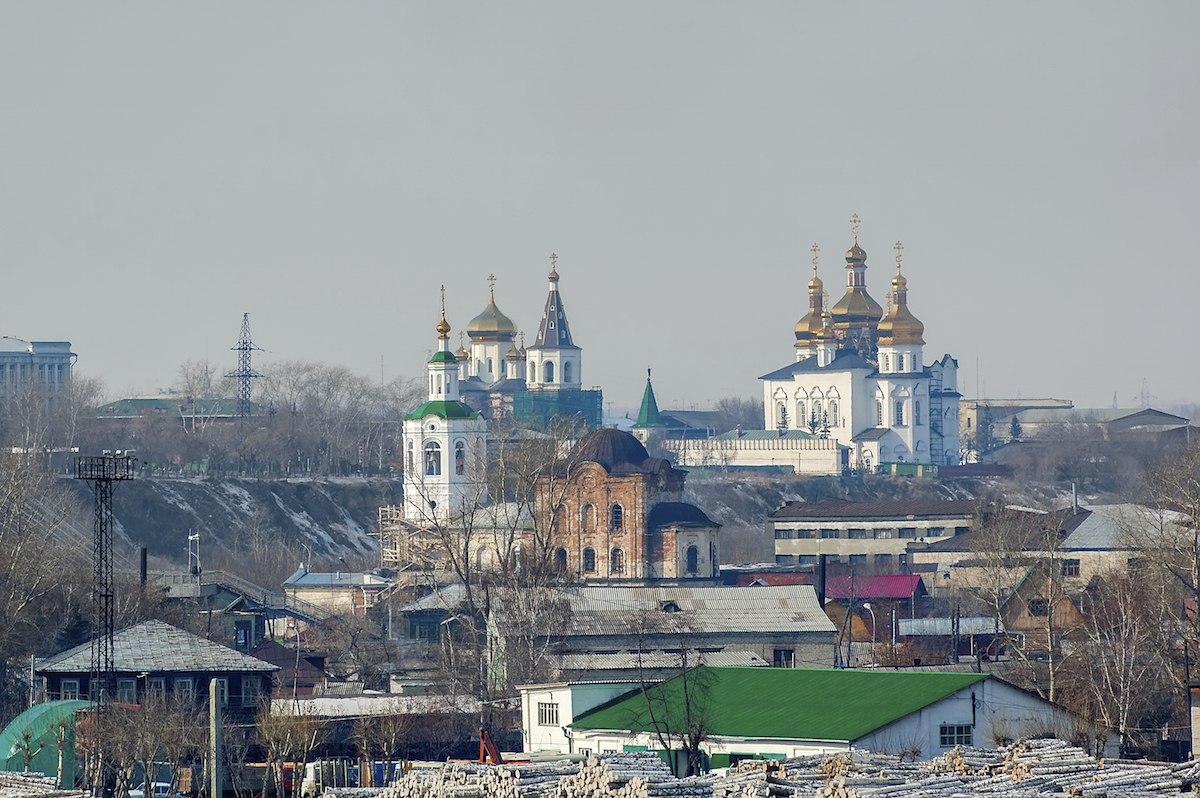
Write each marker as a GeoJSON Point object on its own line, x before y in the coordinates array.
{"type": "Point", "coordinates": [244, 372]}
{"type": "Point", "coordinates": [101, 473]}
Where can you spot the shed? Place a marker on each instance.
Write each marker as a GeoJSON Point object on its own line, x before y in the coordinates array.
{"type": "Point", "coordinates": [38, 725]}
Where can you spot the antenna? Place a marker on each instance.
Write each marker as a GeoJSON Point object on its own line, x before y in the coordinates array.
{"type": "Point", "coordinates": [244, 372]}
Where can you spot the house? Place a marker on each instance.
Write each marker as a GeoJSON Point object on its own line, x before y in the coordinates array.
{"type": "Point", "coordinates": [301, 671]}
{"type": "Point", "coordinates": [777, 713]}
{"type": "Point", "coordinates": [621, 631]}
{"type": "Point", "coordinates": [1040, 609]}
{"type": "Point", "coordinates": [341, 592]}
{"type": "Point", "coordinates": [156, 658]}
{"type": "Point", "coordinates": [873, 534]}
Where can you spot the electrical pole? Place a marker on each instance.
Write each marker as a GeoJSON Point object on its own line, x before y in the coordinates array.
{"type": "Point", "coordinates": [244, 372]}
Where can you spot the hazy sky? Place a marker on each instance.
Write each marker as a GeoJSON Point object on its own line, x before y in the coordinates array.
{"type": "Point", "coordinates": [165, 167]}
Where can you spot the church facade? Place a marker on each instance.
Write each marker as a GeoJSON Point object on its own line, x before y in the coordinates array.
{"type": "Point", "coordinates": [859, 376]}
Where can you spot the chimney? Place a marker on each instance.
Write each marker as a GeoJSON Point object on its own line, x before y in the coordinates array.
{"type": "Point", "coordinates": [1074, 500]}
{"type": "Point", "coordinates": [821, 580]}
{"type": "Point", "coordinates": [142, 565]}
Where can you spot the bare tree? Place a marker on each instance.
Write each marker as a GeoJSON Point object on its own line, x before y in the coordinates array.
{"type": "Point", "coordinates": [287, 737]}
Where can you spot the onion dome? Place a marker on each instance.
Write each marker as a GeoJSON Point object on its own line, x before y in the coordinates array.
{"type": "Point", "coordinates": [491, 324]}
{"type": "Point", "coordinates": [808, 326]}
{"type": "Point", "coordinates": [856, 253]}
{"type": "Point", "coordinates": [443, 328]}
{"type": "Point", "coordinates": [462, 355]}
{"type": "Point", "coordinates": [826, 333]}
{"type": "Point", "coordinates": [900, 327]}
{"type": "Point", "coordinates": [514, 355]}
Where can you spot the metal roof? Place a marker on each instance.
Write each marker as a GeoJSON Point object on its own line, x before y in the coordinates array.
{"type": "Point", "coordinates": [879, 586]}
{"type": "Point", "coordinates": [798, 704]}
{"type": "Point", "coordinates": [625, 660]}
{"type": "Point", "coordinates": [760, 608]}
{"type": "Point", "coordinates": [154, 646]}
{"type": "Point", "coordinates": [940, 627]}
{"type": "Point", "coordinates": [882, 510]}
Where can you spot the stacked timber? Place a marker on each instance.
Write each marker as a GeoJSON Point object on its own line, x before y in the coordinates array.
{"type": "Point", "coordinates": [32, 785]}
{"type": "Point", "coordinates": [1026, 769]}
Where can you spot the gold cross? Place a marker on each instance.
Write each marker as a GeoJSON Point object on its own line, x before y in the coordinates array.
{"type": "Point", "coordinates": [815, 251]}
{"type": "Point", "coordinates": [491, 281]}
{"type": "Point", "coordinates": [443, 301]}
{"type": "Point", "coordinates": [899, 253]}
{"type": "Point", "coordinates": [854, 220]}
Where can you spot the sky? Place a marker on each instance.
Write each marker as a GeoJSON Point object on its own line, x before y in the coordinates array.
{"type": "Point", "coordinates": [167, 167]}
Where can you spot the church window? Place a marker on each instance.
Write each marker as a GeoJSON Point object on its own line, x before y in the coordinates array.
{"type": "Point", "coordinates": [693, 559]}
{"type": "Point", "coordinates": [833, 413]}
{"type": "Point", "coordinates": [617, 518]}
{"type": "Point", "coordinates": [548, 371]}
{"type": "Point", "coordinates": [878, 413]}
{"type": "Point", "coordinates": [433, 459]}
{"type": "Point", "coordinates": [460, 458]}
{"type": "Point", "coordinates": [917, 412]}
{"type": "Point", "coordinates": [489, 365]}
{"type": "Point", "coordinates": [616, 562]}
{"type": "Point", "coordinates": [899, 412]}
{"type": "Point", "coordinates": [566, 372]}
{"type": "Point", "coordinates": [800, 414]}
{"type": "Point", "coordinates": [560, 560]}
{"type": "Point", "coordinates": [782, 415]}
{"type": "Point", "coordinates": [900, 362]}
{"type": "Point", "coordinates": [409, 463]}
{"type": "Point", "coordinates": [589, 518]}
{"type": "Point", "coordinates": [589, 561]}
{"type": "Point", "coordinates": [815, 421]}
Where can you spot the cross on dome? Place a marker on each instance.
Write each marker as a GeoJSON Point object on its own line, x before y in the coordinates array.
{"type": "Point", "coordinates": [815, 251]}
{"type": "Point", "coordinates": [491, 281]}
{"type": "Point", "coordinates": [854, 221]}
{"type": "Point", "coordinates": [899, 253]}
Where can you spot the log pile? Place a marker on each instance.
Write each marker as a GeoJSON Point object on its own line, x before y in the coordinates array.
{"type": "Point", "coordinates": [1026, 769]}
{"type": "Point", "coordinates": [32, 785]}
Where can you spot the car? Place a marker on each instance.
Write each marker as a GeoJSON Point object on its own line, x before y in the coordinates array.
{"type": "Point", "coordinates": [162, 789]}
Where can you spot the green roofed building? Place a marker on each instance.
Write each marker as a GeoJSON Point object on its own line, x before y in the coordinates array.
{"type": "Point", "coordinates": [774, 713]}
{"type": "Point", "coordinates": [36, 732]}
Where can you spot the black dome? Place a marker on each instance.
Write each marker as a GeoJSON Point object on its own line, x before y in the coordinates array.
{"type": "Point", "coordinates": [610, 448]}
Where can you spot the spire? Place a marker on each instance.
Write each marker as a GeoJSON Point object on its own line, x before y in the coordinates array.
{"type": "Point", "coordinates": [810, 325]}
{"type": "Point", "coordinates": [648, 414]}
{"type": "Point", "coordinates": [443, 327]}
{"type": "Point", "coordinates": [856, 314]}
{"type": "Point", "coordinates": [553, 331]}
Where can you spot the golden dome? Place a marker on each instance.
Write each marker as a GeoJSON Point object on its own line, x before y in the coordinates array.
{"type": "Point", "coordinates": [443, 328]}
{"type": "Point", "coordinates": [826, 333]}
{"type": "Point", "coordinates": [900, 327]}
{"type": "Point", "coordinates": [856, 252]}
{"type": "Point", "coordinates": [491, 324]}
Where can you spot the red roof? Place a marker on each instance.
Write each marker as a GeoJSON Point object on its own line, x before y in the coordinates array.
{"type": "Point", "coordinates": [891, 586]}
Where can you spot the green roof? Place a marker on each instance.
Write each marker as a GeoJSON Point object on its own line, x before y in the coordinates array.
{"type": "Point", "coordinates": [176, 404]}
{"type": "Point", "coordinates": [442, 409]}
{"type": "Point", "coordinates": [782, 703]}
{"type": "Point", "coordinates": [38, 721]}
{"type": "Point", "coordinates": [443, 357]}
{"type": "Point", "coordinates": [648, 414]}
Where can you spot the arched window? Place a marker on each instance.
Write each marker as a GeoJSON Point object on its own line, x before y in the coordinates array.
{"type": "Point", "coordinates": [816, 413]}
{"type": "Point", "coordinates": [588, 518]}
{"type": "Point", "coordinates": [560, 560]}
{"type": "Point", "coordinates": [833, 413]}
{"type": "Point", "coordinates": [917, 412]}
{"type": "Point", "coordinates": [439, 384]}
{"type": "Point", "coordinates": [693, 559]}
{"type": "Point", "coordinates": [589, 561]}
{"type": "Point", "coordinates": [567, 371]}
{"type": "Point", "coordinates": [616, 562]}
{"type": "Point", "coordinates": [460, 458]}
{"type": "Point", "coordinates": [489, 365]}
{"type": "Point", "coordinates": [899, 362]}
{"type": "Point", "coordinates": [617, 518]}
{"type": "Point", "coordinates": [548, 371]}
{"type": "Point", "coordinates": [409, 462]}
{"type": "Point", "coordinates": [878, 413]}
{"type": "Point", "coordinates": [899, 412]}
{"type": "Point", "coordinates": [781, 414]}
{"type": "Point", "coordinates": [800, 414]}
{"type": "Point", "coordinates": [433, 459]}
{"type": "Point", "coordinates": [887, 362]}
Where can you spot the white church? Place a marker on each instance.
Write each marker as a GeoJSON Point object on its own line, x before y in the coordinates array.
{"type": "Point", "coordinates": [859, 394]}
